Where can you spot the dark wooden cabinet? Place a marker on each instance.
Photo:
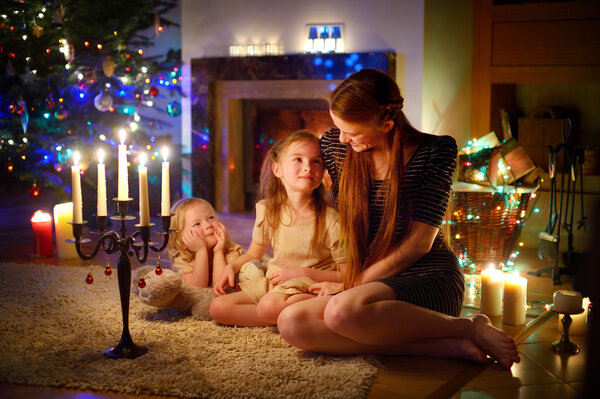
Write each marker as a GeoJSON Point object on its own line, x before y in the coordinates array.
{"type": "Point", "coordinates": [530, 42]}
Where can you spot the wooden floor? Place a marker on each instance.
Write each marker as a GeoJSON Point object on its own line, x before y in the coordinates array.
{"type": "Point", "coordinates": [540, 374]}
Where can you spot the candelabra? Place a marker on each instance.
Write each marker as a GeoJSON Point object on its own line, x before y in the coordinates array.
{"type": "Point", "coordinates": [111, 242]}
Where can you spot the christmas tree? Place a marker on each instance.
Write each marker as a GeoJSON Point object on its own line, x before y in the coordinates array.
{"type": "Point", "coordinates": [76, 75]}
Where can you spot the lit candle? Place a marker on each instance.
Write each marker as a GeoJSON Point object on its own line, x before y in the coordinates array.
{"type": "Point", "coordinates": [491, 292]}
{"type": "Point", "coordinates": [165, 200]}
{"type": "Point", "coordinates": [63, 213]}
{"type": "Point", "coordinates": [515, 300]}
{"type": "Point", "coordinates": [101, 184]}
{"type": "Point", "coordinates": [123, 185]}
{"type": "Point", "coordinates": [143, 177]}
{"type": "Point", "coordinates": [41, 222]}
{"type": "Point", "coordinates": [76, 190]}
{"type": "Point", "coordinates": [579, 324]}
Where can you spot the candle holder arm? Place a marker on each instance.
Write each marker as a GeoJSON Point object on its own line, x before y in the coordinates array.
{"type": "Point", "coordinates": [166, 225]}
{"type": "Point", "coordinates": [111, 237]}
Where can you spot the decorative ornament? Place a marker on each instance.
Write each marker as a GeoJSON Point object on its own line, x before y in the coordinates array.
{"type": "Point", "coordinates": [61, 112]}
{"type": "Point", "coordinates": [49, 99]}
{"type": "Point", "coordinates": [89, 279]}
{"type": "Point", "coordinates": [82, 85]}
{"type": "Point", "coordinates": [156, 24]}
{"type": "Point", "coordinates": [37, 31]}
{"type": "Point", "coordinates": [24, 114]}
{"type": "Point", "coordinates": [58, 167]}
{"type": "Point", "coordinates": [9, 166]}
{"type": "Point", "coordinates": [153, 91]}
{"type": "Point", "coordinates": [107, 271]}
{"type": "Point", "coordinates": [158, 269]}
{"type": "Point", "coordinates": [103, 102]}
{"type": "Point", "coordinates": [34, 191]}
{"type": "Point", "coordinates": [2, 23]}
{"type": "Point", "coordinates": [68, 50]}
{"type": "Point", "coordinates": [142, 282]}
{"type": "Point", "coordinates": [108, 66]}
{"type": "Point", "coordinates": [57, 16]}
{"type": "Point", "coordinates": [174, 108]}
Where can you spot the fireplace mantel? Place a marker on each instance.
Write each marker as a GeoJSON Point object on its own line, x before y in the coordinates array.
{"type": "Point", "coordinates": [220, 84]}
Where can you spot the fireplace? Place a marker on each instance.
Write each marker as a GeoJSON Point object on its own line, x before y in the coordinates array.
{"type": "Point", "coordinates": [242, 105]}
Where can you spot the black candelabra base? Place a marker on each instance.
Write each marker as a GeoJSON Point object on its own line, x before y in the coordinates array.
{"type": "Point", "coordinates": [111, 242]}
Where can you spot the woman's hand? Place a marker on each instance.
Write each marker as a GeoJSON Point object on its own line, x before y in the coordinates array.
{"type": "Point", "coordinates": [227, 277]}
{"type": "Point", "coordinates": [287, 273]}
{"type": "Point", "coordinates": [221, 236]}
{"type": "Point", "coordinates": [193, 240]}
{"type": "Point", "coordinates": [325, 288]}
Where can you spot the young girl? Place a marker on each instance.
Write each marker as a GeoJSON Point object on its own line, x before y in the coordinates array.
{"type": "Point", "coordinates": [293, 217]}
{"type": "Point", "coordinates": [201, 247]}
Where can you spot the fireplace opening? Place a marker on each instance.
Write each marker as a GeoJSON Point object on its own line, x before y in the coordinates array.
{"type": "Point", "coordinates": [266, 121]}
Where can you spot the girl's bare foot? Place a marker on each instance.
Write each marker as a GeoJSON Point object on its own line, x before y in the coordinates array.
{"type": "Point", "coordinates": [494, 342]}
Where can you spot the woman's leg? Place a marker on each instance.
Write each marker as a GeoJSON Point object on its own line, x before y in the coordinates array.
{"type": "Point", "coordinates": [270, 305]}
{"type": "Point", "coordinates": [235, 309]}
{"type": "Point", "coordinates": [366, 319]}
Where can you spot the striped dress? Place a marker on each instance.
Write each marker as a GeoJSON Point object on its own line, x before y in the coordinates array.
{"type": "Point", "coordinates": [435, 281]}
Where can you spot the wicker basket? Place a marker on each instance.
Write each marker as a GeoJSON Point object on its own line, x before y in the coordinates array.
{"type": "Point", "coordinates": [486, 225]}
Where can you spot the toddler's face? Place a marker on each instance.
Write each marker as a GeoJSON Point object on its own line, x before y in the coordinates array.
{"type": "Point", "coordinates": [201, 218]}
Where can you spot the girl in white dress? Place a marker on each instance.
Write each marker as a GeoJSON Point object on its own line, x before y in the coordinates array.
{"type": "Point", "coordinates": [292, 216]}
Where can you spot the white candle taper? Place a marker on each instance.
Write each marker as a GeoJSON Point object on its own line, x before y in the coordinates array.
{"type": "Point", "coordinates": [143, 177]}
{"type": "Point", "coordinates": [101, 211]}
{"type": "Point", "coordinates": [165, 202]}
{"type": "Point", "coordinates": [76, 190]}
{"type": "Point", "coordinates": [123, 188]}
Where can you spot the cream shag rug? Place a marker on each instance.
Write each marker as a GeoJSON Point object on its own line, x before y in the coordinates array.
{"type": "Point", "coordinates": [55, 328]}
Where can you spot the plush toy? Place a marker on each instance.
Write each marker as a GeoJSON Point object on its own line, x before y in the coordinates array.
{"type": "Point", "coordinates": [168, 290]}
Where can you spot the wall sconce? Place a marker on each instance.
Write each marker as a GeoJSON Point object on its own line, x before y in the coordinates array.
{"type": "Point", "coordinates": [324, 38]}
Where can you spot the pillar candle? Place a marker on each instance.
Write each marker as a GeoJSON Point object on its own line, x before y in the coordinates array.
{"type": "Point", "coordinates": [63, 213]}
{"type": "Point", "coordinates": [123, 184]}
{"type": "Point", "coordinates": [76, 190]}
{"type": "Point", "coordinates": [165, 199]}
{"type": "Point", "coordinates": [143, 178]}
{"type": "Point", "coordinates": [41, 222]}
{"type": "Point", "coordinates": [101, 185]}
{"type": "Point", "coordinates": [515, 300]}
{"type": "Point", "coordinates": [491, 292]}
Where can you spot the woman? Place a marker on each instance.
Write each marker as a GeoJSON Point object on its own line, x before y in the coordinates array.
{"type": "Point", "coordinates": [403, 287]}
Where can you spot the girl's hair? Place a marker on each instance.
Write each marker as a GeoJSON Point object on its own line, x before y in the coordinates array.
{"type": "Point", "coordinates": [176, 247]}
{"type": "Point", "coordinates": [272, 190]}
{"type": "Point", "coordinates": [373, 98]}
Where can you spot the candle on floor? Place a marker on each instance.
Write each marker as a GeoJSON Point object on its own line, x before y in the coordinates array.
{"type": "Point", "coordinates": [143, 178]}
{"type": "Point", "coordinates": [101, 208]}
{"type": "Point", "coordinates": [76, 190]}
{"type": "Point", "coordinates": [63, 213]}
{"type": "Point", "coordinates": [579, 324]}
{"type": "Point", "coordinates": [123, 184]}
{"type": "Point", "coordinates": [165, 200]}
{"type": "Point", "coordinates": [515, 300]}
{"type": "Point", "coordinates": [491, 292]}
{"type": "Point", "coordinates": [41, 222]}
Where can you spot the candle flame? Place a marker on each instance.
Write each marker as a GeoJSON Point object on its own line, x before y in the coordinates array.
{"type": "Point", "coordinates": [142, 159]}
{"type": "Point", "coordinates": [41, 216]}
{"type": "Point", "coordinates": [76, 158]}
{"type": "Point", "coordinates": [165, 153]}
{"type": "Point", "coordinates": [101, 156]}
{"type": "Point", "coordinates": [122, 134]}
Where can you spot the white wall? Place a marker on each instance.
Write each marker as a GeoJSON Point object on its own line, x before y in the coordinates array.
{"type": "Point", "coordinates": [210, 26]}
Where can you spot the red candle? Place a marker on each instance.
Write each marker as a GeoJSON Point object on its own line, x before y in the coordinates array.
{"type": "Point", "coordinates": [42, 233]}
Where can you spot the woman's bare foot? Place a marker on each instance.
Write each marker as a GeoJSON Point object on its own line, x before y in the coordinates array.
{"type": "Point", "coordinates": [494, 342]}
